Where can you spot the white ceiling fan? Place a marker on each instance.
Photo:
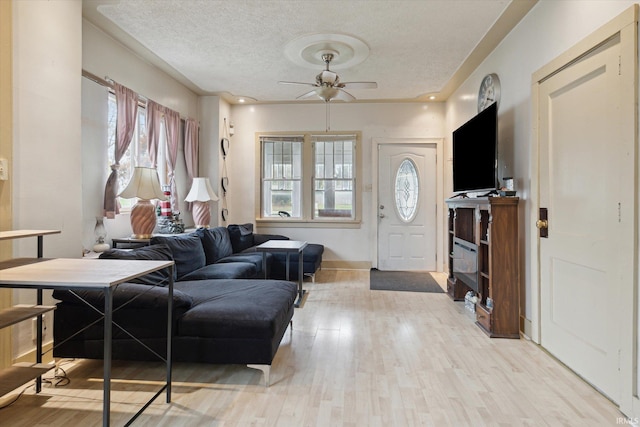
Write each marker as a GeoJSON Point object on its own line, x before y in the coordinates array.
{"type": "Point", "coordinates": [328, 85]}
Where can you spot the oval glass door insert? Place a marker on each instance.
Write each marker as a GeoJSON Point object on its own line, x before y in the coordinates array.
{"type": "Point", "coordinates": [407, 190]}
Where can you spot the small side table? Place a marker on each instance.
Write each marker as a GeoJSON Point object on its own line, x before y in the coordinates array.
{"type": "Point", "coordinates": [289, 247]}
{"type": "Point", "coordinates": [130, 242]}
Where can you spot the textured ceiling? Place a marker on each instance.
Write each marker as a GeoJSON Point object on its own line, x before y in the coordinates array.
{"type": "Point", "coordinates": [238, 47]}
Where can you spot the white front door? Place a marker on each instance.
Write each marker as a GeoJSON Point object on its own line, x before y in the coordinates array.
{"type": "Point", "coordinates": [407, 207]}
{"type": "Point", "coordinates": [585, 155]}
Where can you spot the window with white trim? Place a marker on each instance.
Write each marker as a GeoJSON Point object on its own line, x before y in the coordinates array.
{"type": "Point", "coordinates": [138, 152]}
{"type": "Point", "coordinates": [309, 177]}
{"type": "Point", "coordinates": [334, 178]}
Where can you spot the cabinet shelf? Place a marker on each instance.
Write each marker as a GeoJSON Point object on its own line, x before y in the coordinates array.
{"type": "Point", "coordinates": [20, 374]}
{"type": "Point", "coordinates": [18, 313]}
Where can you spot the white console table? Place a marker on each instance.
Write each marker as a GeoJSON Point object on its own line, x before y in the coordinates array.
{"type": "Point", "coordinates": [105, 275]}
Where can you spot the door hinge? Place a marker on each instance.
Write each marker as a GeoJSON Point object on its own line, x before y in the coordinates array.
{"type": "Point", "coordinates": [619, 212]}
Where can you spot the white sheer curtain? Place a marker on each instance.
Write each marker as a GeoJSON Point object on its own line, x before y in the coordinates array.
{"type": "Point", "coordinates": [172, 126]}
{"type": "Point", "coordinates": [154, 119]}
{"type": "Point", "coordinates": [191, 150]}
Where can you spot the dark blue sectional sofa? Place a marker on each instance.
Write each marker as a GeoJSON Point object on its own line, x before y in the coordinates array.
{"type": "Point", "coordinates": [223, 311]}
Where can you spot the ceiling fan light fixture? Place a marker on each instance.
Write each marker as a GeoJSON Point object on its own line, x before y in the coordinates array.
{"type": "Point", "coordinates": [327, 93]}
{"type": "Point", "coordinates": [327, 78]}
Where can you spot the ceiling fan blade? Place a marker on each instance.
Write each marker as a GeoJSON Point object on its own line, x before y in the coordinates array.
{"type": "Point", "coordinates": [344, 95]}
{"type": "Point", "coordinates": [297, 83]}
{"type": "Point", "coordinates": [360, 85]}
{"type": "Point", "coordinates": [308, 95]}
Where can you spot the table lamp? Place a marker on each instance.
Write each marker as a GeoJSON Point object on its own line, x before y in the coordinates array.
{"type": "Point", "coordinates": [201, 194]}
{"type": "Point", "coordinates": [144, 185]}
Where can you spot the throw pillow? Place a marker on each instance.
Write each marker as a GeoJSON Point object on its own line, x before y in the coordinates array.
{"type": "Point", "coordinates": [187, 252]}
{"type": "Point", "coordinates": [241, 236]}
{"type": "Point", "coordinates": [216, 243]}
{"type": "Point", "coordinates": [154, 253]}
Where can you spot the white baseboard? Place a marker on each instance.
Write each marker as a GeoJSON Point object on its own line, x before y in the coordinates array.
{"type": "Point", "coordinates": [30, 356]}
{"type": "Point", "coordinates": [346, 265]}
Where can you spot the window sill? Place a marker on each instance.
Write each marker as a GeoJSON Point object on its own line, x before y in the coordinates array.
{"type": "Point", "coordinates": [307, 223]}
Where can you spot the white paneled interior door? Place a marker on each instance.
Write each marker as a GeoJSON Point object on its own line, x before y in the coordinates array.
{"type": "Point", "coordinates": [584, 160]}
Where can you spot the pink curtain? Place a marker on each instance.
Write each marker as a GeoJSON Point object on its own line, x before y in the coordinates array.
{"type": "Point", "coordinates": [172, 126]}
{"type": "Point", "coordinates": [154, 118]}
{"type": "Point", "coordinates": [191, 150]}
{"type": "Point", "coordinates": [127, 108]}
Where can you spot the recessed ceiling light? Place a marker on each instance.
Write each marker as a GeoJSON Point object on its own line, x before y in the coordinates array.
{"type": "Point", "coordinates": [240, 99]}
{"type": "Point", "coordinates": [432, 97]}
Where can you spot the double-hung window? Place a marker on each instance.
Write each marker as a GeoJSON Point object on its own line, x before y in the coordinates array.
{"type": "Point", "coordinates": [282, 176]}
{"type": "Point", "coordinates": [333, 180]}
{"type": "Point", "coordinates": [309, 177]}
{"type": "Point", "coordinates": [138, 152]}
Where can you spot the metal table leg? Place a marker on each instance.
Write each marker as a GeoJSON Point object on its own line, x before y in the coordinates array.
{"type": "Point", "coordinates": [108, 319]}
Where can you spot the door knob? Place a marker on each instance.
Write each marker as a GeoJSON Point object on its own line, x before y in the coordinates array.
{"type": "Point", "coordinates": [542, 223]}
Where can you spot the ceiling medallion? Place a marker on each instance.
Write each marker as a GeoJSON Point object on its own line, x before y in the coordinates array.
{"type": "Point", "coordinates": [307, 51]}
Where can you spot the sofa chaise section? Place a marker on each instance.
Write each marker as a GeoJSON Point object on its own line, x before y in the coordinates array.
{"type": "Point", "coordinates": [222, 321]}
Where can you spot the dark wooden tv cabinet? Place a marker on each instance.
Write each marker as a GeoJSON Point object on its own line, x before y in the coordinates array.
{"type": "Point", "coordinates": [491, 223]}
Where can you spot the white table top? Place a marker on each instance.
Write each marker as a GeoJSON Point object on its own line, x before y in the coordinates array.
{"type": "Point", "coordinates": [16, 234]}
{"type": "Point", "coordinates": [281, 245]}
{"type": "Point", "coordinates": [65, 273]}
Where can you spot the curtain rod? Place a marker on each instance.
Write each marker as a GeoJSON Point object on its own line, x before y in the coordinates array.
{"type": "Point", "coordinates": [107, 82]}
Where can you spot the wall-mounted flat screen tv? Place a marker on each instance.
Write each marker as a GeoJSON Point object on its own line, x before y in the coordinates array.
{"type": "Point", "coordinates": [475, 153]}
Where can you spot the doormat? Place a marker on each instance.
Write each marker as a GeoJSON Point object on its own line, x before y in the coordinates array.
{"type": "Point", "coordinates": [405, 281]}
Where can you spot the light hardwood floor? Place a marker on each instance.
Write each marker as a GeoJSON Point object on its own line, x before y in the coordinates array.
{"type": "Point", "coordinates": [355, 357]}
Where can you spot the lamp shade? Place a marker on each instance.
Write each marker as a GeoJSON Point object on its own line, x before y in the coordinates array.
{"type": "Point", "coordinates": [201, 191]}
{"type": "Point", "coordinates": [144, 184]}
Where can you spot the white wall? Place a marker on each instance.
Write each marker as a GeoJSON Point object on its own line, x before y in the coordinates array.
{"type": "Point", "coordinates": [213, 110]}
{"type": "Point", "coordinates": [95, 111]}
{"type": "Point", "coordinates": [47, 175]}
{"type": "Point", "coordinates": [105, 57]}
{"type": "Point", "coordinates": [548, 30]}
{"type": "Point", "coordinates": [384, 120]}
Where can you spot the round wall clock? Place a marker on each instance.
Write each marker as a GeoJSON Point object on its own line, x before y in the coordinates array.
{"type": "Point", "coordinates": [489, 91]}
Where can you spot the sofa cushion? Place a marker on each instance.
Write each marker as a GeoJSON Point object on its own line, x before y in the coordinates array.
{"type": "Point", "coordinates": [215, 242]}
{"type": "Point", "coordinates": [241, 236]}
{"type": "Point", "coordinates": [153, 252]}
{"type": "Point", "coordinates": [187, 252]}
{"type": "Point", "coordinates": [311, 258]}
{"type": "Point", "coordinates": [254, 258]}
{"type": "Point", "coordinates": [237, 309]}
{"type": "Point", "coordinates": [231, 270]}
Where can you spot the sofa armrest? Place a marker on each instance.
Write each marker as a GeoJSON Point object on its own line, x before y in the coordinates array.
{"type": "Point", "coordinates": [130, 294]}
{"type": "Point", "coordinates": [259, 239]}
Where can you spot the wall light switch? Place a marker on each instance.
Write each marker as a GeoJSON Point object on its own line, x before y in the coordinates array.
{"type": "Point", "coordinates": [4, 169]}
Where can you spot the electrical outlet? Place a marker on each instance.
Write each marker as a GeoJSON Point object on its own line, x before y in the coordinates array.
{"type": "Point", "coordinates": [4, 169]}
{"type": "Point", "coordinates": [34, 328]}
